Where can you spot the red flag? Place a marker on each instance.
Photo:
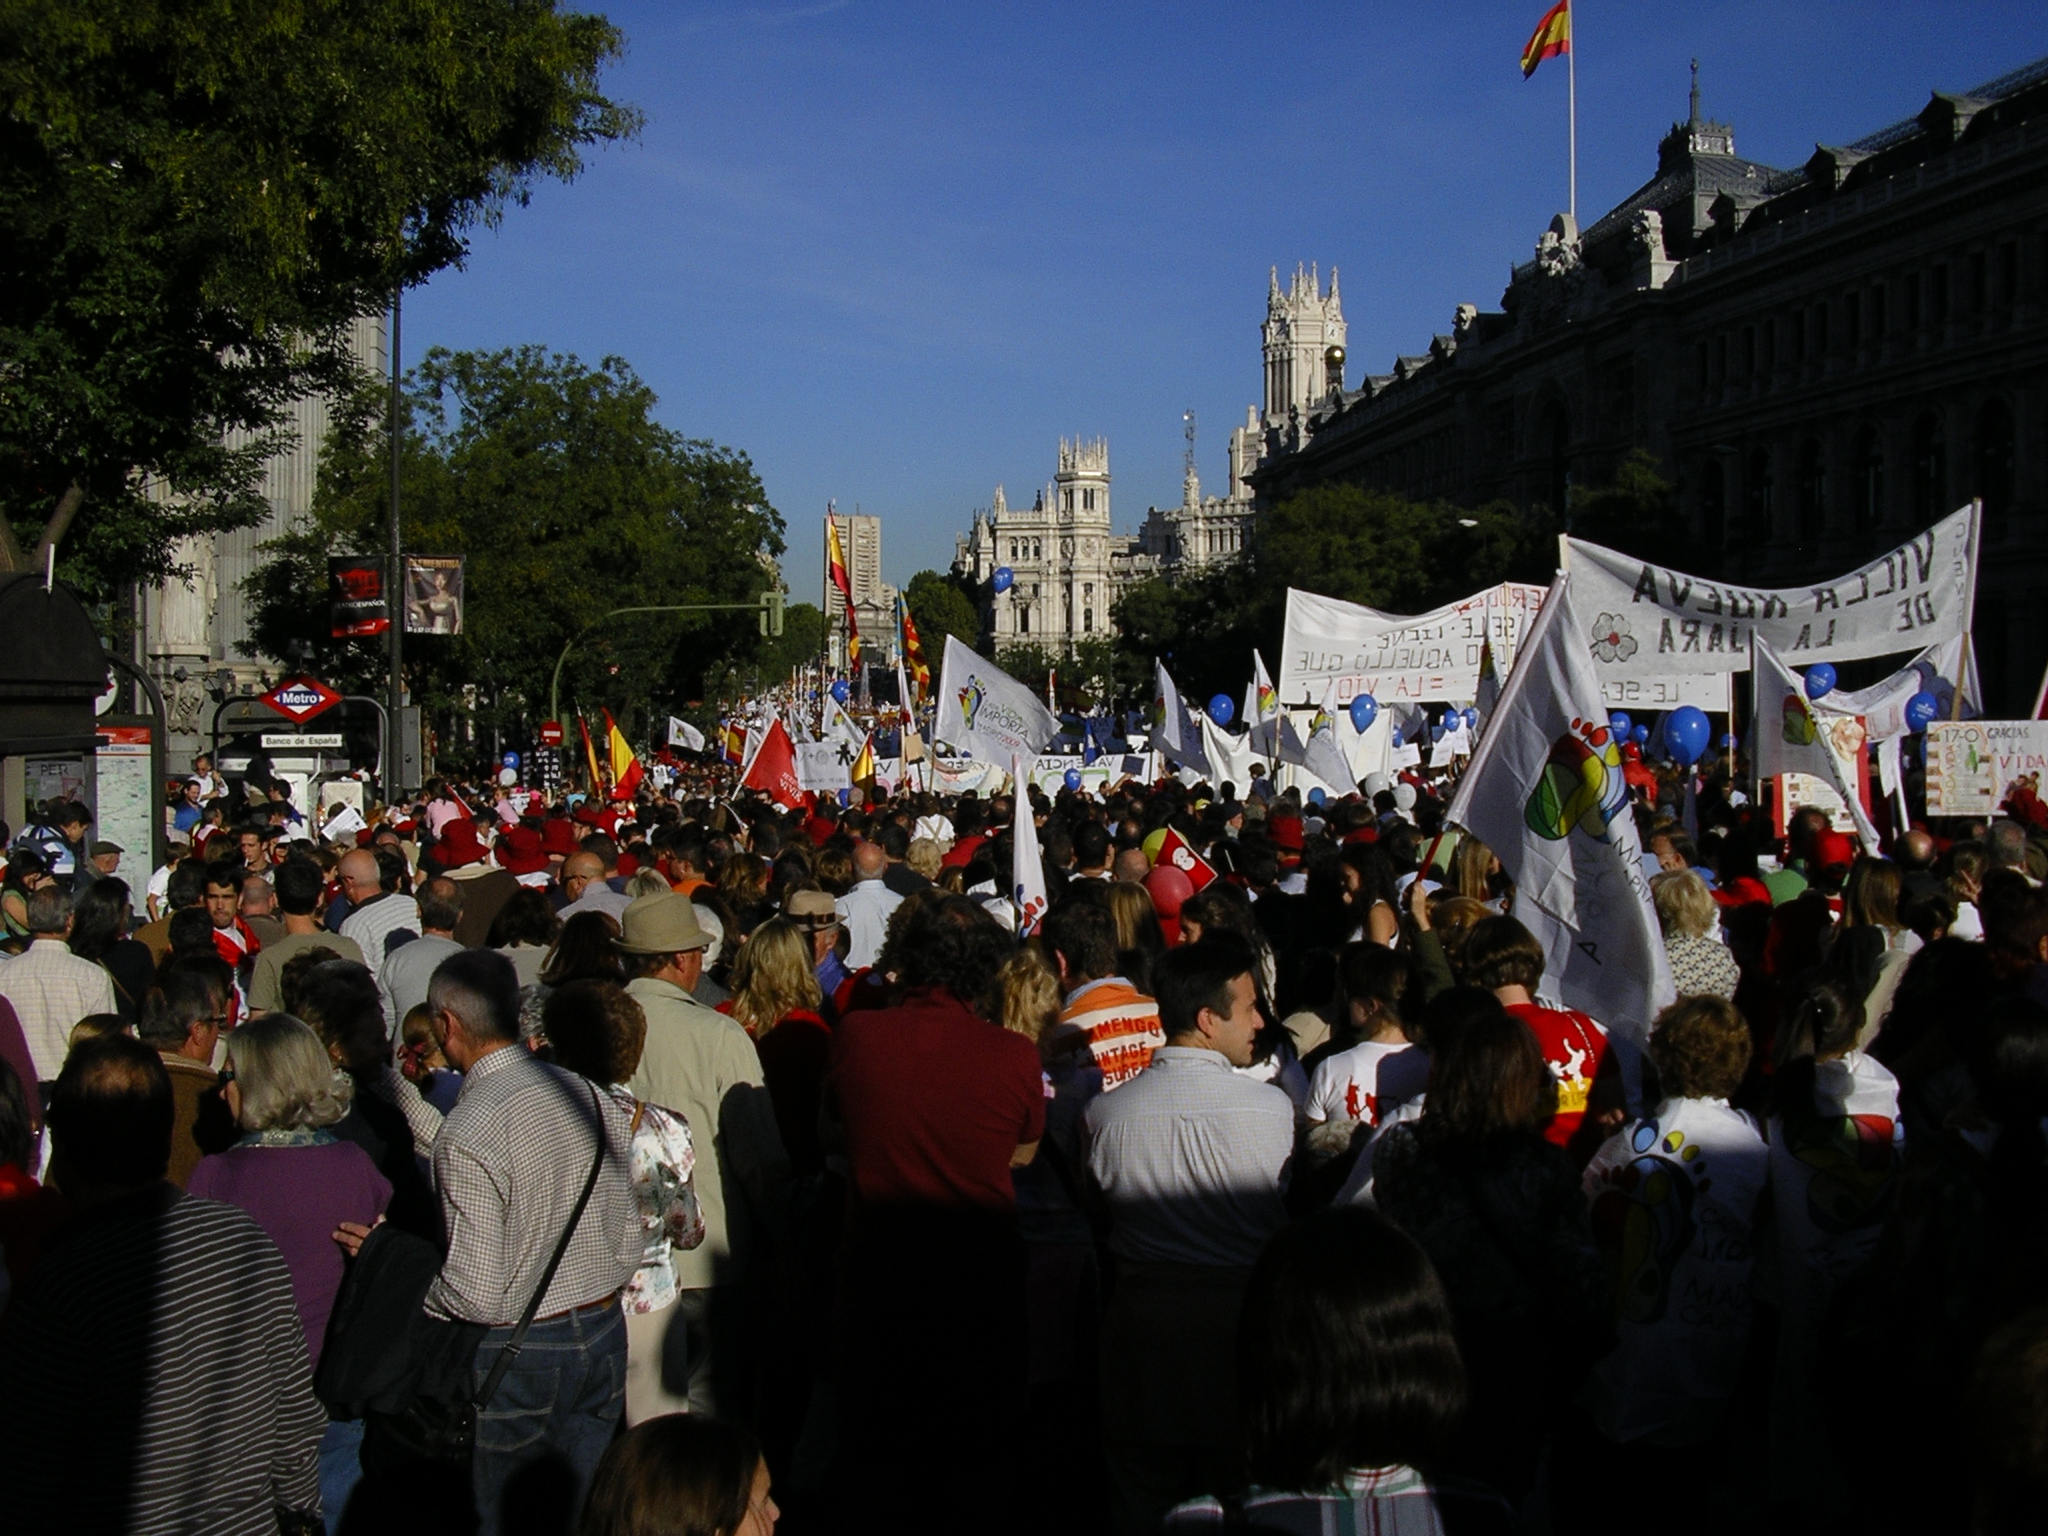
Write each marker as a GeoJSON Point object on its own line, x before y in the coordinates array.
{"type": "Point", "coordinates": [1553, 36]}
{"type": "Point", "coordinates": [1175, 851]}
{"type": "Point", "coordinates": [773, 770]}
{"type": "Point", "coordinates": [626, 770]}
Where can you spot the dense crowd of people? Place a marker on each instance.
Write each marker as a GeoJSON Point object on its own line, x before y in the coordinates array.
{"type": "Point", "coordinates": [696, 1164]}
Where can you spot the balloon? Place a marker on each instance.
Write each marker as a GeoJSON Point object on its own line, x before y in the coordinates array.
{"type": "Point", "coordinates": [1436, 732]}
{"type": "Point", "coordinates": [1470, 716]}
{"type": "Point", "coordinates": [1639, 735]}
{"type": "Point", "coordinates": [1168, 888]}
{"type": "Point", "coordinates": [1404, 796]}
{"type": "Point", "coordinates": [1686, 733]}
{"type": "Point", "coordinates": [1820, 680]}
{"type": "Point", "coordinates": [1399, 739]}
{"type": "Point", "coordinates": [1364, 710]}
{"type": "Point", "coordinates": [1003, 577]}
{"type": "Point", "coordinates": [1221, 710]}
{"type": "Point", "coordinates": [1071, 778]}
{"type": "Point", "coordinates": [1315, 795]}
{"type": "Point", "coordinates": [1728, 741]}
{"type": "Point", "coordinates": [1619, 723]}
{"type": "Point", "coordinates": [1151, 844]}
{"type": "Point", "coordinates": [840, 691]}
{"type": "Point", "coordinates": [1920, 710]}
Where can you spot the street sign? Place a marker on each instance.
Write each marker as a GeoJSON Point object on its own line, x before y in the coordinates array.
{"type": "Point", "coordinates": [301, 741]}
{"type": "Point", "coordinates": [551, 733]}
{"type": "Point", "coordinates": [299, 699]}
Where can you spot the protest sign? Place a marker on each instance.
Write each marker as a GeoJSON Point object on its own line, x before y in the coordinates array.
{"type": "Point", "coordinates": [1972, 763]}
{"type": "Point", "coordinates": [1421, 658]}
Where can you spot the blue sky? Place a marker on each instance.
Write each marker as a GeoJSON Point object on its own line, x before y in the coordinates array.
{"type": "Point", "coordinates": [895, 251]}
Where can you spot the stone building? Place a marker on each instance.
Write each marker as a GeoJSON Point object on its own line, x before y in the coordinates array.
{"type": "Point", "coordinates": [1824, 358]}
{"type": "Point", "coordinates": [874, 600]}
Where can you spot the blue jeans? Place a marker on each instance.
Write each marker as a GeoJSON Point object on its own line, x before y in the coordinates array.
{"type": "Point", "coordinates": [538, 1443]}
{"type": "Point", "coordinates": [341, 1468]}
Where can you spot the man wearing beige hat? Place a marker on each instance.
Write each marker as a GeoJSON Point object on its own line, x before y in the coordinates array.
{"type": "Point", "coordinates": [699, 1064]}
{"type": "Point", "coordinates": [816, 915]}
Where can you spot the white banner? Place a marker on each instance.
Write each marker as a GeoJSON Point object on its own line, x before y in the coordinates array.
{"type": "Point", "coordinates": [1789, 737]}
{"type": "Point", "coordinates": [823, 765]}
{"type": "Point", "coordinates": [985, 712]}
{"type": "Point", "coordinates": [1883, 705]}
{"type": "Point", "coordinates": [1972, 763]}
{"type": "Point", "coordinates": [1650, 621]}
{"type": "Point", "coordinates": [1623, 690]}
{"type": "Point", "coordinates": [1424, 658]}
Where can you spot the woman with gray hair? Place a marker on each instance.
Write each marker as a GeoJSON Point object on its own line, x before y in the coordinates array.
{"type": "Point", "coordinates": [1701, 965]}
{"type": "Point", "coordinates": [299, 1182]}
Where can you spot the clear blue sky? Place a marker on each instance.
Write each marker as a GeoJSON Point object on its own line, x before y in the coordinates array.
{"type": "Point", "coordinates": [895, 251]}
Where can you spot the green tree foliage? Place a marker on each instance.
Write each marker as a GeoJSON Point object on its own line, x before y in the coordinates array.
{"type": "Point", "coordinates": [939, 607]}
{"type": "Point", "coordinates": [197, 197]}
{"type": "Point", "coordinates": [800, 644]}
{"type": "Point", "coordinates": [1636, 512]}
{"type": "Point", "coordinates": [568, 499]}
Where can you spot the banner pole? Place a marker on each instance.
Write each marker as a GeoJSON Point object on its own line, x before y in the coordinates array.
{"type": "Point", "coordinates": [1571, 59]}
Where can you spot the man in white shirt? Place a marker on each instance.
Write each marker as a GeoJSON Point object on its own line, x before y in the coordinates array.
{"type": "Point", "coordinates": [379, 908]}
{"type": "Point", "coordinates": [402, 979]}
{"type": "Point", "coordinates": [865, 909]}
{"type": "Point", "coordinates": [51, 988]}
{"type": "Point", "coordinates": [1192, 1157]}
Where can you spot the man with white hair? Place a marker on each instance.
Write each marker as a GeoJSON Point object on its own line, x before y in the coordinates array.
{"type": "Point", "coordinates": [866, 908]}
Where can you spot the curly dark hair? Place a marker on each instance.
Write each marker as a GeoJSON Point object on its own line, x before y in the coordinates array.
{"type": "Point", "coordinates": [596, 1028]}
{"type": "Point", "coordinates": [954, 943]}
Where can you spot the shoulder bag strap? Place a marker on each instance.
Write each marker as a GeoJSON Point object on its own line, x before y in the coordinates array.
{"type": "Point", "coordinates": [513, 1345]}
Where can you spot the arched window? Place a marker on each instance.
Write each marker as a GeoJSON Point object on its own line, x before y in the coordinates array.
{"type": "Point", "coordinates": [1713, 505]}
{"type": "Point", "coordinates": [1994, 462]}
{"type": "Point", "coordinates": [1557, 444]}
{"type": "Point", "coordinates": [1930, 469]}
{"type": "Point", "coordinates": [1866, 492]}
{"type": "Point", "coordinates": [1023, 619]}
{"type": "Point", "coordinates": [1757, 522]}
{"type": "Point", "coordinates": [1813, 491]}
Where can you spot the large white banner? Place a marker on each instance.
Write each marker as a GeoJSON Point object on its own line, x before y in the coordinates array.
{"type": "Point", "coordinates": [1398, 658]}
{"type": "Point", "coordinates": [985, 712]}
{"type": "Point", "coordinates": [1646, 620]}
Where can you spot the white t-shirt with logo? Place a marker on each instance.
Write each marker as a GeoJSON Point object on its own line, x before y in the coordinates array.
{"type": "Point", "coordinates": [1366, 1081]}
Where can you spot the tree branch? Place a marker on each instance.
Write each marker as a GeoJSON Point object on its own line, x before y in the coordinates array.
{"type": "Point", "coordinates": [58, 525]}
{"type": "Point", "coordinates": [11, 557]}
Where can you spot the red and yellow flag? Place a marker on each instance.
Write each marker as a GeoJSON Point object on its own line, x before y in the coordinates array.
{"type": "Point", "coordinates": [835, 557]}
{"type": "Point", "coordinates": [864, 765]}
{"type": "Point", "coordinates": [913, 653]}
{"type": "Point", "coordinates": [1553, 35]}
{"type": "Point", "coordinates": [626, 770]}
{"type": "Point", "coordinates": [590, 756]}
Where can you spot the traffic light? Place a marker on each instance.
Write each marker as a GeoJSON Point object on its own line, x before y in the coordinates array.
{"type": "Point", "coordinates": [771, 611]}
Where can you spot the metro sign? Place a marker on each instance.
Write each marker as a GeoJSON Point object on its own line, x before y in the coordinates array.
{"type": "Point", "coordinates": [301, 698]}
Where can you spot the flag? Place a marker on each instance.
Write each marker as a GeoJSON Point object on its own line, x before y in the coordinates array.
{"type": "Point", "coordinates": [913, 652]}
{"type": "Point", "coordinates": [683, 734]}
{"type": "Point", "coordinates": [913, 744]}
{"type": "Point", "coordinates": [1174, 850]}
{"type": "Point", "coordinates": [1489, 684]}
{"type": "Point", "coordinates": [1262, 709]}
{"type": "Point", "coordinates": [1027, 871]}
{"type": "Point", "coordinates": [626, 770]}
{"type": "Point", "coordinates": [1545, 792]}
{"type": "Point", "coordinates": [773, 769]}
{"type": "Point", "coordinates": [732, 743]}
{"type": "Point", "coordinates": [864, 763]}
{"type": "Point", "coordinates": [590, 755]}
{"type": "Point", "coordinates": [1790, 736]}
{"type": "Point", "coordinates": [1553, 35]}
{"type": "Point", "coordinates": [838, 727]}
{"type": "Point", "coordinates": [1230, 757]}
{"type": "Point", "coordinates": [1174, 736]}
{"type": "Point", "coordinates": [837, 559]}
{"type": "Point", "coordinates": [986, 713]}
{"type": "Point", "coordinates": [756, 735]}
{"type": "Point", "coordinates": [1290, 748]}
{"type": "Point", "coordinates": [1324, 755]}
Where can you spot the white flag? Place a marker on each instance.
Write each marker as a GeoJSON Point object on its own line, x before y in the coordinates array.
{"type": "Point", "coordinates": [1230, 757]}
{"type": "Point", "coordinates": [838, 727]}
{"type": "Point", "coordinates": [1174, 735]}
{"type": "Point", "coordinates": [1027, 870]}
{"type": "Point", "coordinates": [1324, 755]}
{"type": "Point", "coordinates": [683, 734]}
{"type": "Point", "coordinates": [1291, 749]}
{"type": "Point", "coordinates": [986, 713]}
{"type": "Point", "coordinates": [1261, 710]}
{"type": "Point", "coordinates": [1545, 792]}
{"type": "Point", "coordinates": [1934, 671]}
{"type": "Point", "coordinates": [1790, 736]}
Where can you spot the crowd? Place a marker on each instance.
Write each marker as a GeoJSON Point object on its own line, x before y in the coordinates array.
{"type": "Point", "coordinates": [694, 1164]}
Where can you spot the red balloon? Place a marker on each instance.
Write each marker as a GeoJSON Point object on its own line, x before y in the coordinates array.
{"type": "Point", "coordinates": [1168, 887]}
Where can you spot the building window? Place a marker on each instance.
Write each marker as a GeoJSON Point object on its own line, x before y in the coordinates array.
{"type": "Point", "coordinates": [1069, 503]}
{"type": "Point", "coordinates": [1994, 462]}
{"type": "Point", "coordinates": [1852, 320]}
{"type": "Point", "coordinates": [2005, 275]}
{"type": "Point", "coordinates": [1930, 469]}
{"type": "Point", "coordinates": [1023, 619]}
{"type": "Point", "coordinates": [1813, 491]}
{"type": "Point", "coordinates": [1749, 351]}
{"type": "Point", "coordinates": [1757, 514]}
{"type": "Point", "coordinates": [1795, 339]}
{"type": "Point", "coordinates": [1088, 589]}
{"type": "Point", "coordinates": [1088, 621]}
{"type": "Point", "coordinates": [1820, 330]}
{"type": "Point", "coordinates": [1977, 282]}
{"type": "Point", "coordinates": [1700, 365]}
{"type": "Point", "coordinates": [1877, 313]}
{"type": "Point", "coordinates": [1912, 301]}
{"type": "Point", "coordinates": [1720, 358]}
{"type": "Point", "coordinates": [1868, 491]}
{"type": "Point", "coordinates": [1713, 505]}
{"type": "Point", "coordinates": [1937, 295]}
{"type": "Point", "coordinates": [1087, 500]}
{"type": "Point", "coordinates": [1770, 345]}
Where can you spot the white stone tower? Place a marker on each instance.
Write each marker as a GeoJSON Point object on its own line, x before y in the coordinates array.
{"type": "Point", "coordinates": [1081, 489]}
{"type": "Point", "coordinates": [1301, 325]}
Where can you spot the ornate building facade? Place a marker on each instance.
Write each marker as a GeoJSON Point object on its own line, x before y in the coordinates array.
{"type": "Point", "coordinates": [1824, 359]}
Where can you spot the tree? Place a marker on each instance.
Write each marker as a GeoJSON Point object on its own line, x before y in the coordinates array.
{"type": "Point", "coordinates": [939, 607]}
{"type": "Point", "coordinates": [568, 500]}
{"type": "Point", "coordinates": [1636, 512]}
{"type": "Point", "coordinates": [198, 197]}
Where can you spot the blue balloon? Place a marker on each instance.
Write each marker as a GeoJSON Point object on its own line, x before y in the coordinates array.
{"type": "Point", "coordinates": [1728, 742]}
{"type": "Point", "coordinates": [1619, 723]}
{"type": "Point", "coordinates": [1364, 710]}
{"type": "Point", "coordinates": [1921, 710]}
{"type": "Point", "coordinates": [1686, 733]}
{"type": "Point", "coordinates": [1004, 576]}
{"type": "Point", "coordinates": [1398, 739]}
{"type": "Point", "coordinates": [1640, 735]}
{"type": "Point", "coordinates": [1820, 680]}
{"type": "Point", "coordinates": [1315, 795]}
{"type": "Point", "coordinates": [1221, 710]}
{"type": "Point", "coordinates": [1470, 716]}
{"type": "Point", "coordinates": [840, 691]}
{"type": "Point", "coordinates": [1072, 778]}
{"type": "Point", "coordinates": [1436, 732]}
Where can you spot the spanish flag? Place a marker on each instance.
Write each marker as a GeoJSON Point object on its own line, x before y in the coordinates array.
{"type": "Point", "coordinates": [1553, 35]}
{"type": "Point", "coordinates": [626, 770]}
{"type": "Point", "coordinates": [835, 556]}
{"type": "Point", "coordinates": [590, 756]}
{"type": "Point", "coordinates": [864, 765]}
{"type": "Point", "coordinates": [913, 653]}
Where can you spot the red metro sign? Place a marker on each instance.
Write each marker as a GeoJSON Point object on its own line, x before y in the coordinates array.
{"type": "Point", "coordinates": [301, 698]}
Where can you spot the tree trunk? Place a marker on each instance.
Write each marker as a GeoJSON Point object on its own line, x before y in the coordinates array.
{"type": "Point", "coordinates": [59, 524]}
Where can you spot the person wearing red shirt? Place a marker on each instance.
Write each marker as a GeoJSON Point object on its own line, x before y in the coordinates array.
{"type": "Point", "coordinates": [932, 1105]}
{"type": "Point", "coordinates": [1507, 959]}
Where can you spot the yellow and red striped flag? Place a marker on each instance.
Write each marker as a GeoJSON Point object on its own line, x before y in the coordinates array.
{"type": "Point", "coordinates": [836, 559]}
{"type": "Point", "coordinates": [1553, 35]}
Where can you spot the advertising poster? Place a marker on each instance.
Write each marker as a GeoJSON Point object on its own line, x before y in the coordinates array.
{"type": "Point", "coordinates": [355, 596]}
{"type": "Point", "coordinates": [433, 595]}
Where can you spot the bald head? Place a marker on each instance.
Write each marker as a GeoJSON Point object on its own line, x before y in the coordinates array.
{"type": "Point", "coordinates": [582, 866]}
{"type": "Point", "coordinates": [359, 876]}
{"type": "Point", "coordinates": [869, 862]}
{"type": "Point", "coordinates": [1131, 867]}
{"type": "Point", "coordinates": [1916, 850]}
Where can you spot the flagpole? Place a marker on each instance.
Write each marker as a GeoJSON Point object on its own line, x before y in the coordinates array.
{"type": "Point", "coordinates": [1571, 59]}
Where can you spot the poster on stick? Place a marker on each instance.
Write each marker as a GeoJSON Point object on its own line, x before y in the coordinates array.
{"type": "Point", "coordinates": [1972, 763]}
